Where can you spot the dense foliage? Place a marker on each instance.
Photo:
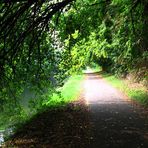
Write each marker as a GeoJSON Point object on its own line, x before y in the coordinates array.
{"type": "Point", "coordinates": [42, 42]}
{"type": "Point", "coordinates": [112, 33]}
{"type": "Point", "coordinates": [29, 52]}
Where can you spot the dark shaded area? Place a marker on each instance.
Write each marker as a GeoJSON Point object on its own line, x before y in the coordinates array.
{"type": "Point", "coordinates": [66, 127]}
{"type": "Point", "coordinates": [117, 126]}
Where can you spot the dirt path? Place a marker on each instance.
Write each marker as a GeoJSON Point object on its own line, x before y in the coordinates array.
{"type": "Point", "coordinates": [117, 123]}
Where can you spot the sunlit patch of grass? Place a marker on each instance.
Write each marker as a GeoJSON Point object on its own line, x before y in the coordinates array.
{"type": "Point", "coordinates": [68, 93]}
{"type": "Point", "coordinates": [73, 86]}
{"type": "Point", "coordinates": [139, 94]}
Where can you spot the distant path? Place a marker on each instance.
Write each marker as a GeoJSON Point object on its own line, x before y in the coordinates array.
{"type": "Point", "coordinates": [116, 122]}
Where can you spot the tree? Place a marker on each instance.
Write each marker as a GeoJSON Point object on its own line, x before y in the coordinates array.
{"type": "Point", "coordinates": [27, 50]}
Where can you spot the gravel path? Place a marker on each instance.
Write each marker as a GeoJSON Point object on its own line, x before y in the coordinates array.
{"type": "Point", "coordinates": [117, 123]}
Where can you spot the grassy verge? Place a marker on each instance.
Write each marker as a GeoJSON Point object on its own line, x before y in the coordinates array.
{"type": "Point", "coordinates": [68, 93]}
{"type": "Point", "coordinates": [136, 93]}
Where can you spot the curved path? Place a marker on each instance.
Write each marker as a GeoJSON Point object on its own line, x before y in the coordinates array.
{"type": "Point", "coordinates": [117, 123]}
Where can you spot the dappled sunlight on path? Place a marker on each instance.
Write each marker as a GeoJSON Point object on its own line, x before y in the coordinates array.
{"type": "Point", "coordinates": [117, 123]}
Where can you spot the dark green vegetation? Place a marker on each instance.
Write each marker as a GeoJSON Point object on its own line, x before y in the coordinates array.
{"type": "Point", "coordinates": [43, 42]}
{"type": "Point", "coordinates": [30, 106]}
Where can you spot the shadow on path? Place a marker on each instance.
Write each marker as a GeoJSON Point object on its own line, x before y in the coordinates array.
{"type": "Point", "coordinates": [65, 127]}
{"type": "Point", "coordinates": [117, 124]}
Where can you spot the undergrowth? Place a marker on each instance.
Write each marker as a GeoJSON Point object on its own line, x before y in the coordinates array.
{"type": "Point", "coordinates": [62, 96]}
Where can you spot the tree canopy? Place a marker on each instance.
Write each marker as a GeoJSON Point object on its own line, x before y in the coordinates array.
{"type": "Point", "coordinates": [27, 45]}
{"type": "Point", "coordinates": [43, 41]}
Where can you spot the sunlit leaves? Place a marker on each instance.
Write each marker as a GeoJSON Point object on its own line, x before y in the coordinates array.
{"type": "Point", "coordinates": [75, 35]}
{"type": "Point", "coordinates": [106, 30]}
{"type": "Point", "coordinates": [67, 41]}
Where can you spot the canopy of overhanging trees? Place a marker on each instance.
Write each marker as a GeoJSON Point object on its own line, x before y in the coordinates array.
{"type": "Point", "coordinates": [44, 41]}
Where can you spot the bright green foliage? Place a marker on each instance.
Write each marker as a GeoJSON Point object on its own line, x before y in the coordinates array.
{"type": "Point", "coordinates": [66, 94]}
{"type": "Point", "coordinates": [112, 33]}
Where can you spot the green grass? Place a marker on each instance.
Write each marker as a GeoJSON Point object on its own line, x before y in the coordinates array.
{"type": "Point", "coordinates": [68, 93]}
{"type": "Point", "coordinates": [72, 88]}
{"type": "Point", "coordinates": [139, 94]}
{"type": "Point", "coordinates": [64, 95]}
